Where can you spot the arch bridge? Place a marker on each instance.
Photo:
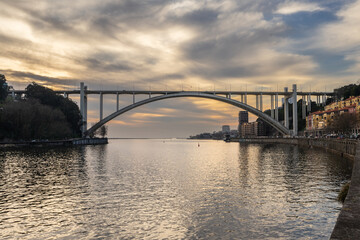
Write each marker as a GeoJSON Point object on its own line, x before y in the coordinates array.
{"type": "Point", "coordinates": [222, 96]}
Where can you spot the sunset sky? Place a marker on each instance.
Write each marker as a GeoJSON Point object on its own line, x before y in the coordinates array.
{"type": "Point", "coordinates": [194, 45]}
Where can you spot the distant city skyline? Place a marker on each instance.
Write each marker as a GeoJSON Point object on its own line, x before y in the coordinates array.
{"type": "Point", "coordinates": [190, 45]}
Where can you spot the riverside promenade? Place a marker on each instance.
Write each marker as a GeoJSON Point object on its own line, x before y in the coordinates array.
{"type": "Point", "coordinates": [348, 223]}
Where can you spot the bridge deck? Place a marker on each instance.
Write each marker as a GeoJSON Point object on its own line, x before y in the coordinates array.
{"type": "Point", "coordinates": [147, 92]}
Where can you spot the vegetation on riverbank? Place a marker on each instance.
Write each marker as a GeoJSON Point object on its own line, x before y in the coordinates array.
{"type": "Point", "coordinates": [343, 193]}
{"type": "Point", "coordinates": [40, 114]}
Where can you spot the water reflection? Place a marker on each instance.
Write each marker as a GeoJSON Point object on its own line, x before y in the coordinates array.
{"type": "Point", "coordinates": [150, 189]}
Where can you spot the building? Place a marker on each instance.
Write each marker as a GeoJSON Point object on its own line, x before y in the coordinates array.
{"type": "Point", "coordinates": [317, 122]}
{"type": "Point", "coordinates": [243, 118]}
{"type": "Point", "coordinates": [253, 129]}
{"type": "Point", "coordinates": [226, 129]}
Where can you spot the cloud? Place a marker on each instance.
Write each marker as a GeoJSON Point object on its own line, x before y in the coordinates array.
{"type": "Point", "coordinates": [175, 45]}
{"type": "Point", "coordinates": [287, 8]}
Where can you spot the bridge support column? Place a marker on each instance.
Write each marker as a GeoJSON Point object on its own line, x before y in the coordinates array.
{"type": "Point", "coordinates": [286, 109]}
{"type": "Point", "coordinates": [272, 106]}
{"type": "Point", "coordinates": [242, 98]}
{"type": "Point", "coordinates": [324, 100]}
{"type": "Point", "coordinates": [133, 98]}
{"type": "Point", "coordinates": [117, 101]}
{"type": "Point", "coordinates": [309, 103]}
{"type": "Point", "coordinates": [85, 109]}
{"type": "Point", "coordinates": [261, 102]}
{"type": "Point", "coordinates": [101, 105]}
{"type": "Point", "coordinates": [257, 102]}
{"type": "Point", "coordinates": [245, 98]}
{"type": "Point", "coordinates": [276, 107]}
{"type": "Point", "coordinates": [295, 113]}
{"type": "Point", "coordinates": [303, 104]}
{"type": "Point", "coordinates": [65, 95]}
{"type": "Point", "coordinates": [82, 108]}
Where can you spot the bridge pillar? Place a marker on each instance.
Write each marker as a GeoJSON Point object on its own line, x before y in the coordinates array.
{"type": "Point", "coordinates": [82, 107]}
{"type": "Point", "coordinates": [242, 98]}
{"type": "Point", "coordinates": [85, 109]}
{"type": "Point", "coordinates": [324, 100]}
{"type": "Point", "coordinates": [117, 101]}
{"type": "Point", "coordinates": [295, 113]}
{"type": "Point", "coordinates": [134, 97]}
{"type": "Point", "coordinates": [65, 95]}
{"type": "Point", "coordinates": [245, 98]}
{"type": "Point", "coordinates": [286, 109]}
{"type": "Point", "coordinates": [303, 104]}
{"type": "Point", "coordinates": [261, 102]}
{"type": "Point", "coordinates": [276, 107]}
{"type": "Point", "coordinates": [272, 106]}
{"type": "Point", "coordinates": [257, 102]}
{"type": "Point", "coordinates": [101, 105]}
{"type": "Point", "coordinates": [309, 103]}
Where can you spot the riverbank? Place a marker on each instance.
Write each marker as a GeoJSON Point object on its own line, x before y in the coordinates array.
{"type": "Point", "coordinates": [348, 223]}
{"type": "Point", "coordinates": [344, 147]}
{"type": "Point", "coordinates": [44, 143]}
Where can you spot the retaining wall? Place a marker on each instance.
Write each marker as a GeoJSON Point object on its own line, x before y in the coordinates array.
{"type": "Point", "coordinates": [345, 147]}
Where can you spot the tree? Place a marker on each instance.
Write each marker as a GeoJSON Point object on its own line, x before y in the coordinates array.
{"type": "Point", "coordinates": [103, 131]}
{"type": "Point", "coordinates": [27, 120]}
{"type": "Point", "coordinates": [3, 88]}
{"type": "Point", "coordinates": [343, 123]}
{"type": "Point", "coordinates": [48, 97]}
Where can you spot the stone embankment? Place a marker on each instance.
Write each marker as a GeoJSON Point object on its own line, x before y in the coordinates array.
{"type": "Point", "coordinates": [348, 223]}
{"type": "Point", "coordinates": [343, 147]}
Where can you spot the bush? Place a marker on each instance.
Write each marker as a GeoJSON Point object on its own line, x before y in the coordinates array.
{"type": "Point", "coordinates": [343, 193]}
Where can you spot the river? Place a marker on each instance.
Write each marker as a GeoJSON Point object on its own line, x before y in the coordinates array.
{"type": "Point", "coordinates": [170, 189]}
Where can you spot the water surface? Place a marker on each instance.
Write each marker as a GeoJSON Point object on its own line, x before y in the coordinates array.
{"type": "Point", "coordinates": [174, 189]}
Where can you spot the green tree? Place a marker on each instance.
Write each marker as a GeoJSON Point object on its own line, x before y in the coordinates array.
{"type": "Point", "coordinates": [48, 97]}
{"type": "Point", "coordinates": [27, 120]}
{"type": "Point", "coordinates": [343, 123]}
{"type": "Point", "coordinates": [3, 88]}
{"type": "Point", "coordinates": [103, 131]}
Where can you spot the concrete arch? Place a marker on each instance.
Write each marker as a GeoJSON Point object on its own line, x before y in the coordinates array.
{"type": "Point", "coordinates": [236, 103]}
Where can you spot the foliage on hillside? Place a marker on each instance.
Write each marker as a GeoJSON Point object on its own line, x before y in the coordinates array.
{"type": "Point", "coordinates": [347, 91]}
{"type": "Point", "coordinates": [48, 97]}
{"type": "Point", "coordinates": [3, 88]}
{"type": "Point", "coordinates": [301, 122]}
{"type": "Point", "coordinates": [42, 114]}
{"type": "Point", "coordinates": [26, 120]}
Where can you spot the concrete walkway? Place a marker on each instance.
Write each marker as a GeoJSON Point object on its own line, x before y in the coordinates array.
{"type": "Point", "coordinates": [348, 222]}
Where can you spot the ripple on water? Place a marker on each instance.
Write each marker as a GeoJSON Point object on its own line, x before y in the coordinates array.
{"type": "Point", "coordinates": [148, 189]}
